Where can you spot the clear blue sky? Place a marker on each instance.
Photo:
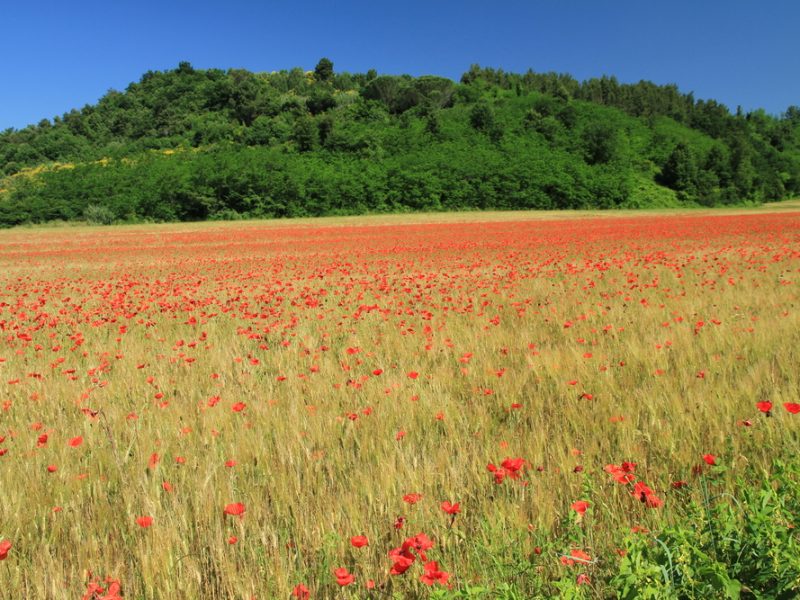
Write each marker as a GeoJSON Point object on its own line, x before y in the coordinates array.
{"type": "Point", "coordinates": [61, 55]}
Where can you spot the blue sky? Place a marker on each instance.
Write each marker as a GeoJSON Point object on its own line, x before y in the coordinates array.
{"type": "Point", "coordinates": [63, 55]}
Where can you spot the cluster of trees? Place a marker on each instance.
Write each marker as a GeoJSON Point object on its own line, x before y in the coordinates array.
{"type": "Point", "coordinates": [191, 144]}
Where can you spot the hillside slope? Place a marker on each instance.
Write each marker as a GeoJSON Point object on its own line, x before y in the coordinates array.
{"type": "Point", "coordinates": [192, 144]}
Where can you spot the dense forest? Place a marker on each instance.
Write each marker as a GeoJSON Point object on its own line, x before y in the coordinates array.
{"type": "Point", "coordinates": [191, 144]}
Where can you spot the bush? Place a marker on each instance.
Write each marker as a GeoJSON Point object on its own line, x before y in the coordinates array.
{"type": "Point", "coordinates": [96, 214]}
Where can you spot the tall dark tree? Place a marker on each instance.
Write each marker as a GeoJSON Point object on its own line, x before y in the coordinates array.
{"type": "Point", "coordinates": [680, 170]}
{"type": "Point", "coordinates": [323, 72]}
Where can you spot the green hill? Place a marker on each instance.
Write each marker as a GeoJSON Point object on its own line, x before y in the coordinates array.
{"type": "Point", "coordinates": [192, 144]}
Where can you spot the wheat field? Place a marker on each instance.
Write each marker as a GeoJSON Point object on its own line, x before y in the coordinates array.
{"type": "Point", "coordinates": [217, 410]}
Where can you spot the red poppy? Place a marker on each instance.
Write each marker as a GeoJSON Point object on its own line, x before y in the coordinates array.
{"type": "Point", "coordinates": [301, 592]}
{"type": "Point", "coordinates": [580, 506]}
{"type": "Point", "coordinates": [433, 574]}
{"type": "Point", "coordinates": [412, 498]}
{"type": "Point", "coordinates": [450, 509]}
{"type": "Point", "coordinates": [647, 496]}
{"type": "Point", "coordinates": [578, 556]}
{"type": "Point", "coordinates": [343, 578]}
{"type": "Point", "coordinates": [401, 561]}
{"type": "Point", "coordinates": [792, 407]}
{"type": "Point", "coordinates": [235, 509]}
{"type": "Point", "coordinates": [144, 522]}
{"type": "Point", "coordinates": [765, 406]}
{"type": "Point", "coordinates": [5, 546]}
{"type": "Point", "coordinates": [359, 541]}
{"type": "Point", "coordinates": [154, 458]}
{"type": "Point", "coordinates": [710, 459]}
{"type": "Point", "coordinates": [76, 441]}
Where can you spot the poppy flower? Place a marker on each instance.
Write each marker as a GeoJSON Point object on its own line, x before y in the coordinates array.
{"type": "Point", "coordinates": [765, 406]}
{"type": "Point", "coordinates": [412, 498]}
{"type": "Point", "coordinates": [576, 555]}
{"type": "Point", "coordinates": [301, 592]}
{"type": "Point", "coordinates": [343, 578]}
{"type": "Point", "coordinates": [645, 495]}
{"type": "Point", "coordinates": [359, 541]}
{"type": "Point", "coordinates": [144, 522]}
{"type": "Point", "coordinates": [401, 561]}
{"type": "Point", "coordinates": [580, 507]}
{"type": "Point", "coordinates": [792, 407]}
{"type": "Point", "coordinates": [76, 441]}
{"type": "Point", "coordinates": [450, 509]}
{"type": "Point", "coordinates": [710, 459]}
{"type": "Point", "coordinates": [621, 473]}
{"type": "Point", "coordinates": [235, 509]}
{"type": "Point", "coordinates": [5, 546]}
{"type": "Point", "coordinates": [433, 575]}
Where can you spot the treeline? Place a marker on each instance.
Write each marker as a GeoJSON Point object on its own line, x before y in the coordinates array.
{"type": "Point", "coordinates": [192, 144]}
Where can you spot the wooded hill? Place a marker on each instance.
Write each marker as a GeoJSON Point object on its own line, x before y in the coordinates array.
{"type": "Point", "coordinates": [191, 144]}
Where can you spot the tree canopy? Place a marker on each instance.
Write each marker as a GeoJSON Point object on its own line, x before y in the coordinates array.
{"type": "Point", "coordinates": [190, 144]}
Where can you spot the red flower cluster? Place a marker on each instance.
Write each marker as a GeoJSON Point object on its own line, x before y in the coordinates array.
{"type": "Point", "coordinates": [510, 467]}
{"type": "Point", "coordinates": [624, 474]}
{"type": "Point", "coordinates": [406, 555]}
{"type": "Point", "coordinates": [111, 589]}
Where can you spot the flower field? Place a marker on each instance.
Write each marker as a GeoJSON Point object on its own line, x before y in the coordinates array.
{"type": "Point", "coordinates": [491, 407]}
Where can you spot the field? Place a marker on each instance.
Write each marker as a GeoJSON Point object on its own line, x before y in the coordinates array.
{"type": "Point", "coordinates": [502, 406]}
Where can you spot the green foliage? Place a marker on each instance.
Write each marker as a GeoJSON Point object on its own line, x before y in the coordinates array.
{"type": "Point", "coordinates": [98, 215]}
{"type": "Point", "coordinates": [725, 547]}
{"type": "Point", "coordinates": [197, 144]}
{"type": "Point", "coordinates": [323, 72]}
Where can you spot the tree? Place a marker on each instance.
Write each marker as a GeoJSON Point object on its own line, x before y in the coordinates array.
{"type": "Point", "coordinates": [680, 170]}
{"type": "Point", "coordinates": [305, 134]}
{"type": "Point", "coordinates": [481, 117]}
{"type": "Point", "coordinates": [323, 72]}
{"type": "Point", "coordinates": [600, 143]}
